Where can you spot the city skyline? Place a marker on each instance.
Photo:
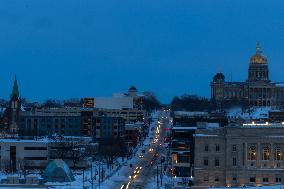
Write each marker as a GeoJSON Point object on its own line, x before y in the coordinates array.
{"type": "Point", "coordinates": [167, 47]}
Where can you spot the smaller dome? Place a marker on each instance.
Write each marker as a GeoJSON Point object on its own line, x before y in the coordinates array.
{"type": "Point", "coordinates": [258, 58]}
{"type": "Point", "coordinates": [132, 88]}
{"type": "Point", "coordinates": [219, 77]}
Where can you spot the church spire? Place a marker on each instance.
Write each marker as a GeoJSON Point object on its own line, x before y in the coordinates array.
{"type": "Point", "coordinates": [15, 91]}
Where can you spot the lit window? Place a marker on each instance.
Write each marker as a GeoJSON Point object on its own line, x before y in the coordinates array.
{"type": "Point", "coordinates": [278, 153]}
{"type": "Point", "coordinates": [252, 153]}
{"type": "Point", "coordinates": [265, 153]}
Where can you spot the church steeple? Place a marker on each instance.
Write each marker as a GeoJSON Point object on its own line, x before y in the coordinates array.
{"type": "Point", "coordinates": [15, 91]}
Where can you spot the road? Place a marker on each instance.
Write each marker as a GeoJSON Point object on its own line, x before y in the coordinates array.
{"type": "Point", "coordinates": [150, 165]}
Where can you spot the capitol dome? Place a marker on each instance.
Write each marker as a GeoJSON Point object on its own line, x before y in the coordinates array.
{"type": "Point", "coordinates": [258, 58]}
{"type": "Point", "coordinates": [219, 77]}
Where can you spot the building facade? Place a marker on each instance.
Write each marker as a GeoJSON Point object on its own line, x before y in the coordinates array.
{"type": "Point", "coordinates": [46, 122]}
{"type": "Point", "coordinates": [257, 90]}
{"type": "Point", "coordinates": [182, 151]}
{"type": "Point", "coordinates": [239, 155]}
{"type": "Point", "coordinates": [105, 127]}
{"type": "Point", "coordinates": [23, 154]}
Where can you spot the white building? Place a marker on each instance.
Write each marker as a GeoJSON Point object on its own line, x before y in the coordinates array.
{"type": "Point", "coordinates": [23, 154]}
{"type": "Point", "coordinates": [115, 102]}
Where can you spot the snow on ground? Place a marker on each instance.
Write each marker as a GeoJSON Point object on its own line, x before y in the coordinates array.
{"type": "Point", "coordinates": [262, 187]}
{"type": "Point", "coordinates": [167, 182]}
{"type": "Point", "coordinates": [252, 113]}
{"type": "Point", "coordinates": [120, 171]}
{"type": "Point", "coordinates": [123, 173]}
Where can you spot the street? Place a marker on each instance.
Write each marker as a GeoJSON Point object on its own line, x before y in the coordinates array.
{"type": "Point", "coordinates": [152, 163]}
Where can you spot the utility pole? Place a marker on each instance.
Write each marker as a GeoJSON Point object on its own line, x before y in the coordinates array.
{"type": "Point", "coordinates": [99, 175]}
{"type": "Point", "coordinates": [161, 176]}
{"type": "Point", "coordinates": [83, 178]}
{"type": "Point", "coordinates": [158, 177]}
{"type": "Point", "coordinates": [92, 176]}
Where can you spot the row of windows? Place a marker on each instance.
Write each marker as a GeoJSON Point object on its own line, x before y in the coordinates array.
{"type": "Point", "coordinates": [217, 161]}
{"type": "Point", "coordinates": [266, 153]}
{"type": "Point", "coordinates": [206, 162]}
{"type": "Point", "coordinates": [278, 179]}
{"type": "Point", "coordinates": [35, 148]}
{"type": "Point", "coordinates": [49, 120]}
{"type": "Point", "coordinates": [35, 158]}
{"type": "Point", "coordinates": [217, 147]}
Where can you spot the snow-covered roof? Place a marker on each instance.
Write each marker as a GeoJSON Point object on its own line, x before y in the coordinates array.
{"type": "Point", "coordinates": [184, 128]}
{"type": "Point", "coordinates": [186, 113]}
{"type": "Point", "coordinates": [204, 135]}
{"type": "Point", "coordinates": [23, 141]}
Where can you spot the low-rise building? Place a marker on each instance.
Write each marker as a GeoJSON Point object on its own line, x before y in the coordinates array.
{"type": "Point", "coordinates": [23, 154]}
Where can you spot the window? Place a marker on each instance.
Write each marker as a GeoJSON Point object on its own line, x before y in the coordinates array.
{"type": "Point", "coordinates": [234, 178]}
{"type": "Point", "coordinates": [278, 179]}
{"type": "Point", "coordinates": [217, 162]}
{"type": "Point", "coordinates": [234, 161]}
{"type": "Point", "coordinates": [265, 179]}
{"type": "Point", "coordinates": [206, 178]}
{"type": "Point", "coordinates": [217, 148]}
{"type": "Point", "coordinates": [234, 147]}
{"type": "Point", "coordinates": [216, 178]}
{"type": "Point", "coordinates": [266, 153]}
{"type": "Point", "coordinates": [252, 179]}
{"type": "Point", "coordinates": [205, 161]}
{"type": "Point", "coordinates": [278, 153]}
{"type": "Point", "coordinates": [206, 148]}
{"type": "Point", "coordinates": [252, 153]}
{"type": "Point", "coordinates": [35, 158]}
{"type": "Point", "coordinates": [35, 148]}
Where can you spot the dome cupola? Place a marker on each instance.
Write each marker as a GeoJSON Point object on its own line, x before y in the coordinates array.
{"type": "Point", "coordinates": [258, 57]}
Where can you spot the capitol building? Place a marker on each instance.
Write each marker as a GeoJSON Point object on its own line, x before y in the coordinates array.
{"type": "Point", "coordinates": [256, 91]}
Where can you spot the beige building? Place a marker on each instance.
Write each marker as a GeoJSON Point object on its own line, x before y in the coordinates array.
{"type": "Point", "coordinates": [129, 115]}
{"type": "Point", "coordinates": [257, 90]}
{"type": "Point", "coordinates": [239, 155]}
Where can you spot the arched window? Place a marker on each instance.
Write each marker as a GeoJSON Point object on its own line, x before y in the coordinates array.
{"type": "Point", "coordinates": [252, 153]}
{"type": "Point", "coordinates": [266, 153]}
{"type": "Point", "coordinates": [278, 153]}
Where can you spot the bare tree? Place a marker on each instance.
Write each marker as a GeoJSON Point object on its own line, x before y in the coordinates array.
{"type": "Point", "coordinates": [69, 149]}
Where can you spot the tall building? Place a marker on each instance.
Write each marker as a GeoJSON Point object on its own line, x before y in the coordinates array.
{"type": "Point", "coordinates": [257, 90]}
{"type": "Point", "coordinates": [14, 108]}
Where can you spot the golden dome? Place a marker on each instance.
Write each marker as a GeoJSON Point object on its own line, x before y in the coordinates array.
{"type": "Point", "coordinates": [258, 58]}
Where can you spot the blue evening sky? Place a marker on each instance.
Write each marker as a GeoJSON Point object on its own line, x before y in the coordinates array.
{"type": "Point", "coordinates": [74, 48]}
